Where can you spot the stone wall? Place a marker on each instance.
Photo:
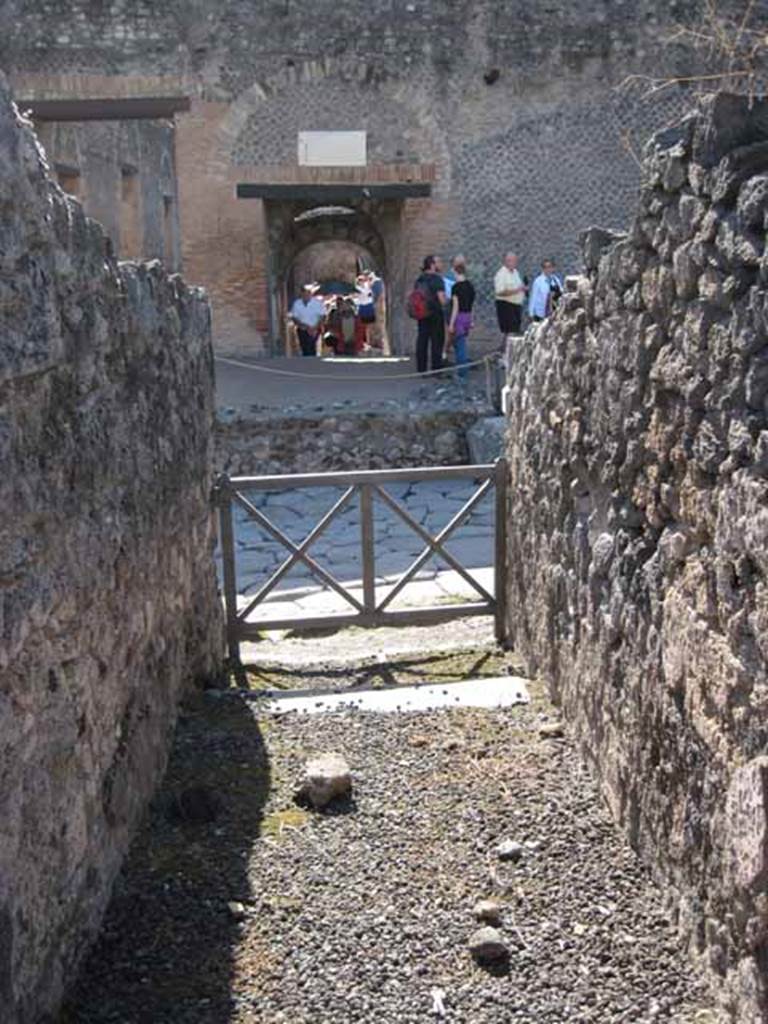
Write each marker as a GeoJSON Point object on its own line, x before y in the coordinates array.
{"type": "Point", "coordinates": [514, 106]}
{"type": "Point", "coordinates": [124, 174]}
{"type": "Point", "coordinates": [108, 603]}
{"type": "Point", "coordinates": [252, 445]}
{"type": "Point", "coordinates": [638, 442]}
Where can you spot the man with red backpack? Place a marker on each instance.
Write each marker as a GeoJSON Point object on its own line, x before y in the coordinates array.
{"type": "Point", "coordinates": [425, 305]}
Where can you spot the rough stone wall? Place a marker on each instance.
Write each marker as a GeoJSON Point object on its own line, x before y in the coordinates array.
{"type": "Point", "coordinates": [108, 603]}
{"type": "Point", "coordinates": [638, 443]}
{"type": "Point", "coordinates": [116, 160]}
{"type": "Point", "coordinates": [522, 162]}
{"type": "Point", "coordinates": [314, 444]}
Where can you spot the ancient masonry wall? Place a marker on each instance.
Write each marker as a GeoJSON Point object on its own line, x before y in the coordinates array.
{"type": "Point", "coordinates": [515, 107]}
{"type": "Point", "coordinates": [125, 176]}
{"type": "Point", "coordinates": [108, 604]}
{"type": "Point", "coordinates": [251, 445]}
{"type": "Point", "coordinates": [638, 442]}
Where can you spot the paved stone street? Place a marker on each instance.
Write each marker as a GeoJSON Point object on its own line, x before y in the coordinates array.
{"type": "Point", "coordinates": [296, 512]}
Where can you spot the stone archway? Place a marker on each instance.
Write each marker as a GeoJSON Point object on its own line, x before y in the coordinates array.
{"type": "Point", "coordinates": [334, 265]}
{"type": "Point", "coordinates": [328, 261]}
{"type": "Point", "coordinates": [293, 226]}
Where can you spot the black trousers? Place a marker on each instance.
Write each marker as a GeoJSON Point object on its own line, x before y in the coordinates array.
{"type": "Point", "coordinates": [307, 341]}
{"type": "Point", "coordinates": [510, 316]}
{"type": "Point", "coordinates": [430, 340]}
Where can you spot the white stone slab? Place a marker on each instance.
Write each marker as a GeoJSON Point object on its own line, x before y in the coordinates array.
{"type": "Point", "coordinates": [495, 692]}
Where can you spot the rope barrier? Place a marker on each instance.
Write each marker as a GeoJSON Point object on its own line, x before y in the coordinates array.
{"type": "Point", "coordinates": [366, 380]}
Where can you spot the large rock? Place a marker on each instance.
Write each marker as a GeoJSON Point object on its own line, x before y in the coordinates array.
{"type": "Point", "coordinates": [638, 553]}
{"type": "Point", "coordinates": [486, 439]}
{"type": "Point", "coordinates": [487, 945]}
{"type": "Point", "coordinates": [326, 778]}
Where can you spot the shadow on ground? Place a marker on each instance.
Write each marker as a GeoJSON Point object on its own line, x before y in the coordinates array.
{"type": "Point", "coordinates": [170, 939]}
{"type": "Point", "coordinates": [453, 666]}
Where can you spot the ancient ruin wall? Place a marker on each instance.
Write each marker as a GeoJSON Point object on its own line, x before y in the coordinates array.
{"type": "Point", "coordinates": [249, 445]}
{"type": "Point", "coordinates": [515, 104]}
{"type": "Point", "coordinates": [108, 602]}
{"type": "Point", "coordinates": [639, 528]}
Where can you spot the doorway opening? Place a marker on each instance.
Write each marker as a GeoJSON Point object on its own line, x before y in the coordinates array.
{"type": "Point", "coordinates": [131, 241]}
{"type": "Point", "coordinates": [350, 282]}
{"type": "Point", "coordinates": [329, 244]}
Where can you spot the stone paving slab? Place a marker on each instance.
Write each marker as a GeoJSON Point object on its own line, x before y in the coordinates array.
{"type": "Point", "coordinates": [487, 692]}
{"type": "Point", "coordinates": [337, 550]}
{"type": "Point", "coordinates": [443, 588]}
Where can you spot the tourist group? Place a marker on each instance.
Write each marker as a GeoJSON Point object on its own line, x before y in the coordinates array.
{"type": "Point", "coordinates": [441, 303]}
{"type": "Point", "coordinates": [345, 323]}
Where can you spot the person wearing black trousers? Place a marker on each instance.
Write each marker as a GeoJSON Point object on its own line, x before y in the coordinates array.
{"type": "Point", "coordinates": [431, 330]}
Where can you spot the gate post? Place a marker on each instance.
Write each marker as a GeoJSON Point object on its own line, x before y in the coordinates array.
{"type": "Point", "coordinates": [368, 550]}
{"type": "Point", "coordinates": [223, 497]}
{"type": "Point", "coordinates": [500, 551]}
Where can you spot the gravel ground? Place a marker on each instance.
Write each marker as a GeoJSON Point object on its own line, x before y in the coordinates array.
{"type": "Point", "coordinates": [237, 906]}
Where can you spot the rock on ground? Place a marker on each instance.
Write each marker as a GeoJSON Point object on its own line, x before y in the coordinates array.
{"type": "Point", "coordinates": [487, 945]}
{"type": "Point", "coordinates": [326, 778]}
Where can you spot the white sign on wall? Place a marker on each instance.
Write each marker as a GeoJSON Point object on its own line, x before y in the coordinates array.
{"type": "Point", "coordinates": [332, 149]}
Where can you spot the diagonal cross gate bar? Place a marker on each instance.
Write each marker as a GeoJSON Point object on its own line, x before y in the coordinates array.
{"type": "Point", "coordinates": [435, 546]}
{"type": "Point", "coordinates": [300, 554]}
{"type": "Point", "coordinates": [368, 484]}
{"type": "Point", "coordinates": [294, 558]}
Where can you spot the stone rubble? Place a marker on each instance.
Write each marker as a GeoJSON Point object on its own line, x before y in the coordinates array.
{"type": "Point", "coordinates": [357, 914]}
{"type": "Point", "coordinates": [254, 445]}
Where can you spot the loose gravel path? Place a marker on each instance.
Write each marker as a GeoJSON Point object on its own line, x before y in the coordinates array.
{"type": "Point", "coordinates": [237, 906]}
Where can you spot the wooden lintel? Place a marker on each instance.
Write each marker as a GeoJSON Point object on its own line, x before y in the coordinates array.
{"type": "Point", "coordinates": [142, 108]}
{"type": "Point", "coordinates": [337, 193]}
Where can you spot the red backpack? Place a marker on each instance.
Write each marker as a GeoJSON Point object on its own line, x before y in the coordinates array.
{"type": "Point", "coordinates": [417, 305]}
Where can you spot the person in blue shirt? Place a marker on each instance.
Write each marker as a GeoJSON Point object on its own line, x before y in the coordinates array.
{"type": "Point", "coordinates": [448, 276]}
{"type": "Point", "coordinates": [545, 292]}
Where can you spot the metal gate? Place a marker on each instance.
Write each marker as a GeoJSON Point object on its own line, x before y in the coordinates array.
{"type": "Point", "coordinates": [364, 487]}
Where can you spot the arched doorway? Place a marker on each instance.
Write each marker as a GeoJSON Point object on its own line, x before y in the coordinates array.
{"type": "Point", "coordinates": [328, 263]}
{"type": "Point", "coordinates": [333, 266]}
{"type": "Point", "coordinates": [310, 242]}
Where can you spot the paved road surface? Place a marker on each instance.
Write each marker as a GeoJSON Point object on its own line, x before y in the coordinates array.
{"type": "Point", "coordinates": [432, 504]}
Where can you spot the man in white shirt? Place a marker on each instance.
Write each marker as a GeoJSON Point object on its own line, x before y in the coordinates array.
{"type": "Point", "coordinates": [308, 313]}
{"type": "Point", "coordinates": [547, 289]}
{"type": "Point", "coordinates": [510, 294]}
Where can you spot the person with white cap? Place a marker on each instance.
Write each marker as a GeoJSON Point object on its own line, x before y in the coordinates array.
{"type": "Point", "coordinates": [308, 314]}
